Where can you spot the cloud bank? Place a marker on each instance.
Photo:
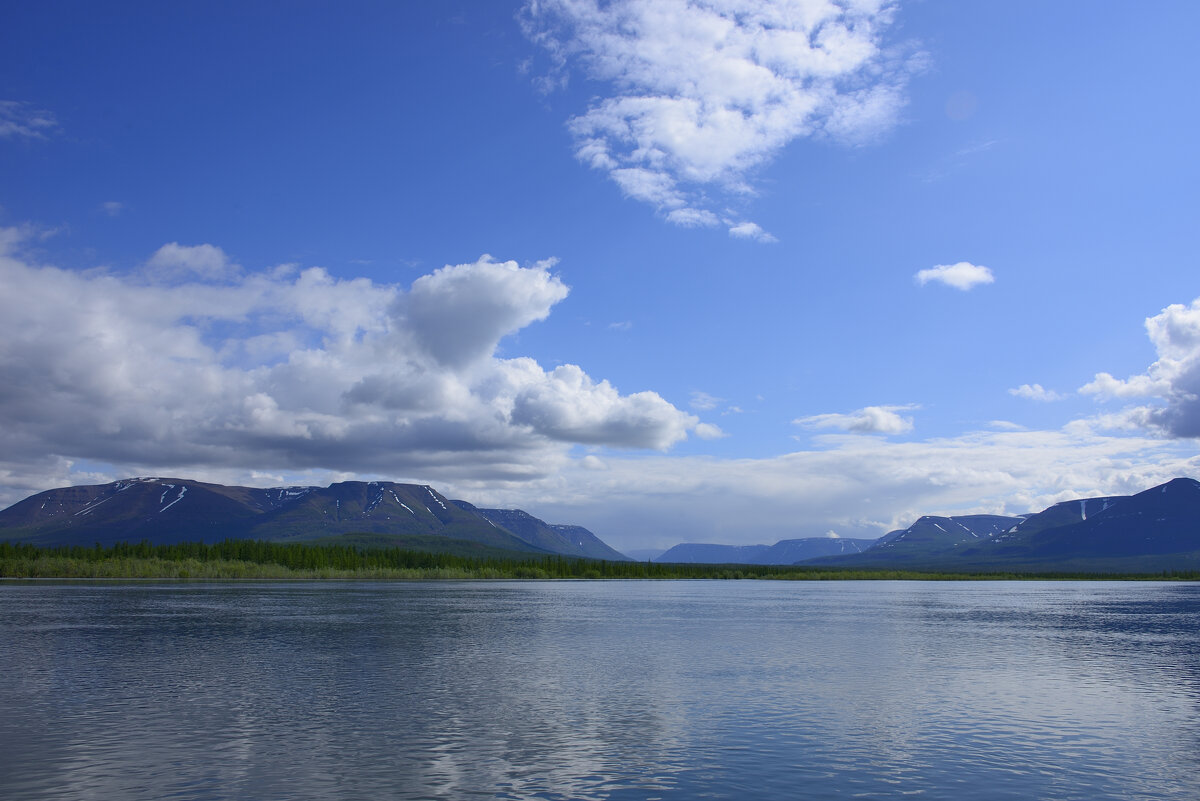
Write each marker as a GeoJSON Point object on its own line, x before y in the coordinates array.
{"type": "Point", "coordinates": [193, 363]}
{"type": "Point", "coordinates": [860, 485]}
{"type": "Point", "coordinates": [702, 92]}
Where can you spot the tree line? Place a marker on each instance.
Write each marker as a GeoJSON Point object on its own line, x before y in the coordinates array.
{"type": "Point", "coordinates": [233, 558]}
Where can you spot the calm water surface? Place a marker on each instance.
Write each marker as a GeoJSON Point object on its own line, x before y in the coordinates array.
{"type": "Point", "coordinates": [595, 690]}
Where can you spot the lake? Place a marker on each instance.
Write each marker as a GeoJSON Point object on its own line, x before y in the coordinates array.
{"type": "Point", "coordinates": [600, 690]}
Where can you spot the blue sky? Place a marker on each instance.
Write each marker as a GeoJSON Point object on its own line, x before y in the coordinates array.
{"type": "Point", "coordinates": [711, 271]}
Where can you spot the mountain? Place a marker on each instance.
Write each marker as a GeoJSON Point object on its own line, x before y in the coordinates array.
{"type": "Point", "coordinates": [167, 510]}
{"type": "Point", "coordinates": [158, 509]}
{"type": "Point", "coordinates": [799, 551]}
{"type": "Point", "coordinates": [934, 537]}
{"type": "Point", "coordinates": [1152, 531]}
{"type": "Point", "coordinates": [784, 552]}
{"type": "Point", "coordinates": [1160, 525]}
{"type": "Point", "coordinates": [567, 540]}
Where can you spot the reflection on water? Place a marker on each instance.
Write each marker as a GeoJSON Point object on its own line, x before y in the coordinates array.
{"type": "Point", "coordinates": [600, 690]}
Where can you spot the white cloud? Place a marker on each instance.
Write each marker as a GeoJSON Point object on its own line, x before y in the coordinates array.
{"type": "Point", "coordinates": [749, 230]}
{"type": "Point", "coordinates": [693, 218]}
{"type": "Point", "coordinates": [962, 275]}
{"type": "Point", "coordinates": [567, 405]}
{"type": "Point", "coordinates": [1106, 386]}
{"type": "Point", "coordinates": [710, 431]}
{"type": "Point", "coordinates": [702, 92]}
{"type": "Point", "coordinates": [175, 261]}
{"type": "Point", "coordinates": [869, 420]}
{"type": "Point", "coordinates": [288, 371]}
{"type": "Point", "coordinates": [19, 119]}
{"type": "Point", "coordinates": [112, 208]}
{"type": "Point", "coordinates": [460, 313]}
{"type": "Point", "coordinates": [1173, 379]}
{"type": "Point", "coordinates": [1035, 392]}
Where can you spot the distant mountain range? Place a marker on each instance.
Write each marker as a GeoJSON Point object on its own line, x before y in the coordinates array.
{"type": "Point", "coordinates": [784, 552]}
{"type": "Point", "coordinates": [1155, 530]}
{"type": "Point", "coordinates": [168, 510]}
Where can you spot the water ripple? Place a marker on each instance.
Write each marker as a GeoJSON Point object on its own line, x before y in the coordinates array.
{"type": "Point", "coordinates": [600, 690]}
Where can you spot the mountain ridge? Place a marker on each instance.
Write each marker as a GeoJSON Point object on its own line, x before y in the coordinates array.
{"type": "Point", "coordinates": [1150, 531]}
{"type": "Point", "coordinates": [783, 552]}
{"type": "Point", "coordinates": [168, 510]}
{"type": "Point", "coordinates": [1153, 530]}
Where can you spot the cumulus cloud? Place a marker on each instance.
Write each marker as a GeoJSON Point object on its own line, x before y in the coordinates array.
{"type": "Point", "coordinates": [962, 275]}
{"type": "Point", "coordinates": [749, 230]}
{"type": "Point", "coordinates": [868, 420]}
{"type": "Point", "coordinates": [704, 91]}
{"type": "Point", "coordinates": [1035, 392]}
{"type": "Point", "coordinates": [19, 119]}
{"type": "Point", "coordinates": [293, 370]}
{"type": "Point", "coordinates": [1173, 379]}
{"type": "Point", "coordinates": [460, 313]}
{"type": "Point", "coordinates": [567, 405]}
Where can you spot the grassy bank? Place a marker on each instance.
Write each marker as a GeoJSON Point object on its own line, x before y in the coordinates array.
{"type": "Point", "coordinates": [252, 559]}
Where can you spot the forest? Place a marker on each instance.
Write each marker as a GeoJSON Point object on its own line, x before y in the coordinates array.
{"type": "Point", "coordinates": [256, 559]}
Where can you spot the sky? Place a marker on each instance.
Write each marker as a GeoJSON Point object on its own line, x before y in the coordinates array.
{"type": "Point", "coordinates": [712, 271]}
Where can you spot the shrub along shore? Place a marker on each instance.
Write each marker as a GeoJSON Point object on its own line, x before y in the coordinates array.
{"type": "Point", "coordinates": [254, 559]}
